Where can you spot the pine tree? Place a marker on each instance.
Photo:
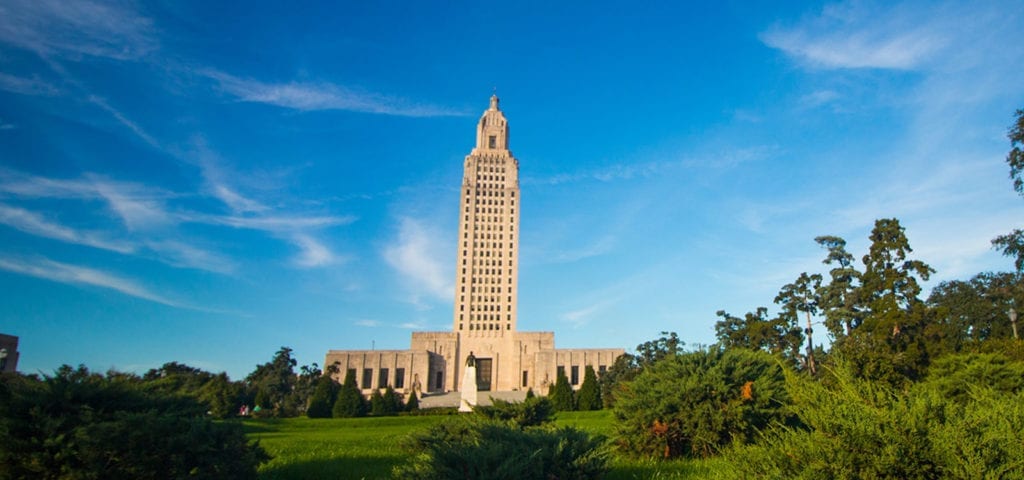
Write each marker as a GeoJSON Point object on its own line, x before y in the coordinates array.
{"type": "Point", "coordinates": [392, 402]}
{"type": "Point", "coordinates": [529, 393]}
{"type": "Point", "coordinates": [561, 394]}
{"type": "Point", "coordinates": [589, 396]}
{"type": "Point", "coordinates": [378, 407]}
{"type": "Point", "coordinates": [350, 402]}
{"type": "Point", "coordinates": [326, 393]}
{"type": "Point", "coordinates": [413, 404]}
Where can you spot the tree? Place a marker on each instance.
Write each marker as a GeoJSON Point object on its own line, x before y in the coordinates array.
{"type": "Point", "coordinates": [802, 296]}
{"type": "Point", "coordinates": [1012, 244]}
{"type": "Point", "coordinates": [273, 383]}
{"type": "Point", "coordinates": [889, 344]}
{"type": "Point", "coordinates": [378, 407]}
{"type": "Point", "coordinates": [561, 394]}
{"type": "Point", "coordinates": [838, 298]}
{"type": "Point", "coordinates": [322, 401]}
{"type": "Point", "coordinates": [350, 402]}
{"type": "Point", "coordinates": [413, 403]}
{"type": "Point", "coordinates": [755, 331]}
{"type": "Point", "coordinates": [589, 396]}
{"type": "Point", "coordinates": [973, 311]}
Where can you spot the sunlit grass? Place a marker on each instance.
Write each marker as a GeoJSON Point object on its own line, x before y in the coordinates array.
{"type": "Point", "coordinates": [369, 448]}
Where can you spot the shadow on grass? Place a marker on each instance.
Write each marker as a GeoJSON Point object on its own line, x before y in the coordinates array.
{"type": "Point", "coordinates": [338, 467]}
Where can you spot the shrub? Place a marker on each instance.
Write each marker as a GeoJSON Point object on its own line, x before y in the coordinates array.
{"type": "Point", "coordinates": [531, 412]}
{"type": "Point", "coordinates": [78, 424]}
{"type": "Point", "coordinates": [694, 403]}
{"type": "Point", "coordinates": [955, 375]}
{"type": "Point", "coordinates": [859, 429]}
{"type": "Point", "coordinates": [471, 447]}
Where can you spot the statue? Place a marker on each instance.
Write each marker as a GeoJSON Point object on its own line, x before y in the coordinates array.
{"type": "Point", "coordinates": [468, 392]}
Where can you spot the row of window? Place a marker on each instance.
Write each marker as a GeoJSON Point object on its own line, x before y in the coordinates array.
{"type": "Point", "coordinates": [484, 289]}
{"type": "Point", "coordinates": [490, 178]}
{"type": "Point", "coordinates": [488, 192]}
{"type": "Point", "coordinates": [487, 326]}
{"type": "Point", "coordinates": [382, 378]}
{"type": "Point", "coordinates": [485, 244]}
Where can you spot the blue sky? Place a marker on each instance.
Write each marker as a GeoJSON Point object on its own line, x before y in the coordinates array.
{"type": "Point", "coordinates": [208, 182]}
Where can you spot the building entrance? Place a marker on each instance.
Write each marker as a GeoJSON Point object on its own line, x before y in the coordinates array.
{"type": "Point", "coordinates": [483, 374]}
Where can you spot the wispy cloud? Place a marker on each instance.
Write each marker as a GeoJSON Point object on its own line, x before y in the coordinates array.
{"type": "Point", "coordinates": [72, 274]}
{"type": "Point", "coordinates": [721, 159]}
{"type": "Point", "coordinates": [862, 35]}
{"type": "Point", "coordinates": [312, 253]}
{"type": "Point", "coordinates": [27, 86]}
{"type": "Point", "coordinates": [35, 224]}
{"type": "Point", "coordinates": [307, 96]}
{"type": "Point", "coordinates": [124, 120]}
{"type": "Point", "coordinates": [185, 255]}
{"type": "Point", "coordinates": [416, 254]}
{"type": "Point", "coordinates": [81, 27]}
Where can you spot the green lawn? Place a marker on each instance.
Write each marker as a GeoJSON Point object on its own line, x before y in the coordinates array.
{"type": "Point", "coordinates": [369, 447]}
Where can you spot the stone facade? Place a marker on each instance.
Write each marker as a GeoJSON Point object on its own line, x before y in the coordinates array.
{"type": "Point", "coordinates": [486, 293]}
{"type": "Point", "coordinates": [8, 353]}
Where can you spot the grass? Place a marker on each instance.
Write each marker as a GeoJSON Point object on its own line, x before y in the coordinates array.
{"type": "Point", "coordinates": [369, 448]}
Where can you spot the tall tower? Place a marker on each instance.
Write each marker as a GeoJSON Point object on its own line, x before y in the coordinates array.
{"type": "Point", "coordinates": [487, 267]}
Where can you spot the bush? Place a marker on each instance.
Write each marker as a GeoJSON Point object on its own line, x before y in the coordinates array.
{"type": "Point", "coordinates": [78, 424]}
{"type": "Point", "coordinates": [858, 429]}
{"type": "Point", "coordinates": [956, 375]}
{"type": "Point", "coordinates": [532, 412]}
{"type": "Point", "coordinates": [471, 447]}
{"type": "Point", "coordinates": [693, 404]}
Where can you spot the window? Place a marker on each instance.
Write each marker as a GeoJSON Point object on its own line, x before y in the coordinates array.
{"type": "Point", "coordinates": [352, 372]}
{"type": "Point", "coordinates": [560, 372]}
{"type": "Point", "coordinates": [525, 377]}
{"type": "Point", "coordinates": [399, 378]}
{"type": "Point", "coordinates": [601, 369]}
{"type": "Point", "coordinates": [439, 380]}
{"type": "Point", "coordinates": [492, 141]}
{"type": "Point", "coordinates": [575, 375]}
{"type": "Point", "coordinates": [367, 378]}
{"type": "Point", "coordinates": [382, 379]}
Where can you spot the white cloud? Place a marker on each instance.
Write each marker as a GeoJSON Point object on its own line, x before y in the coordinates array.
{"type": "Point", "coordinates": [35, 224]}
{"type": "Point", "coordinates": [124, 120]}
{"type": "Point", "coordinates": [26, 86]}
{"type": "Point", "coordinates": [855, 35]}
{"type": "Point", "coordinates": [312, 253]}
{"type": "Point", "coordinates": [71, 274]}
{"type": "Point", "coordinates": [184, 255]}
{"type": "Point", "coordinates": [322, 96]}
{"type": "Point", "coordinates": [368, 323]}
{"type": "Point", "coordinates": [417, 254]}
{"type": "Point", "coordinates": [80, 27]}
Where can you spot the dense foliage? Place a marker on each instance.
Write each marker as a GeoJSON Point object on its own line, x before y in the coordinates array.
{"type": "Point", "coordinates": [693, 404]}
{"type": "Point", "coordinates": [78, 424]}
{"type": "Point", "coordinates": [532, 412]}
{"type": "Point", "coordinates": [350, 401]}
{"type": "Point", "coordinates": [855, 428]}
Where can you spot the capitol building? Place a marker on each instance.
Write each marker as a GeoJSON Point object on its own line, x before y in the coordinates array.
{"type": "Point", "coordinates": [486, 293]}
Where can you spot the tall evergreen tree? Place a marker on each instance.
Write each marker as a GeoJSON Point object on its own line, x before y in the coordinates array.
{"type": "Point", "coordinates": [322, 401]}
{"type": "Point", "coordinates": [589, 396]}
{"type": "Point", "coordinates": [1012, 244]}
{"type": "Point", "coordinates": [561, 394]}
{"type": "Point", "coordinates": [378, 407]}
{"type": "Point", "coordinates": [350, 402]}
{"type": "Point", "coordinates": [413, 403]}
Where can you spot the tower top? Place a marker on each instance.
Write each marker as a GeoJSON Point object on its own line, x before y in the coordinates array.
{"type": "Point", "coordinates": [492, 131]}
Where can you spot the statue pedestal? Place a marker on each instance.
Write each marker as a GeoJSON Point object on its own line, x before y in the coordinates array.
{"type": "Point", "coordinates": [468, 390]}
